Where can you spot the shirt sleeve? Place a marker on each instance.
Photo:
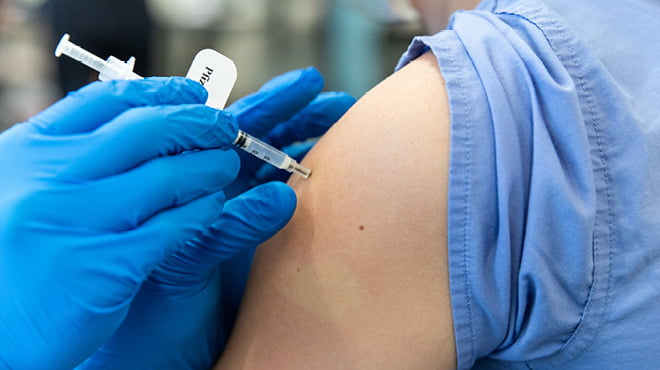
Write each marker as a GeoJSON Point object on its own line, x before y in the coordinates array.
{"type": "Point", "coordinates": [522, 198]}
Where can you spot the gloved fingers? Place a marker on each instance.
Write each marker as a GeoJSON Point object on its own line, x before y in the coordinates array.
{"type": "Point", "coordinates": [141, 134]}
{"type": "Point", "coordinates": [277, 100]}
{"type": "Point", "coordinates": [142, 249]}
{"type": "Point", "coordinates": [97, 103]}
{"type": "Point", "coordinates": [313, 121]}
{"type": "Point", "coordinates": [123, 202]}
{"type": "Point", "coordinates": [247, 221]}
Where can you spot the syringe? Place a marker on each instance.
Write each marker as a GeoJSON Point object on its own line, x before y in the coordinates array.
{"type": "Point", "coordinates": [110, 69]}
{"type": "Point", "coordinates": [113, 68]}
{"type": "Point", "coordinates": [269, 154]}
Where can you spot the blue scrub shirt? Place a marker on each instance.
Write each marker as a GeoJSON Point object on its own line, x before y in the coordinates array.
{"type": "Point", "coordinates": [554, 184]}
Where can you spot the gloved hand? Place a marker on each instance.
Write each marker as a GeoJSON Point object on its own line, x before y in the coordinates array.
{"type": "Point", "coordinates": [176, 321]}
{"type": "Point", "coordinates": [95, 192]}
{"type": "Point", "coordinates": [184, 312]}
{"type": "Point", "coordinates": [289, 108]}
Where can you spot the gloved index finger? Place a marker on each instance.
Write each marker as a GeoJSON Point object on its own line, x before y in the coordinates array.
{"type": "Point", "coordinates": [277, 101]}
{"type": "Point", "coordinates": [92, 106]}
{"type": "Point", "coordinates": [246, 221]}
{"type": "Point", "coordinates": [313, 121]}
{"type": "Point", "coordinates": [144, 133]}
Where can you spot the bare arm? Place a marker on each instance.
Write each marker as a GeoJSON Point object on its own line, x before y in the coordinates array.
{"type": "Point", "coordinates": [359, 277]}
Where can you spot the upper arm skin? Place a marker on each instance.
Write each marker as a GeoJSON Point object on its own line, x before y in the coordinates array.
{"type": "Point", "coordinates": [359, 279]}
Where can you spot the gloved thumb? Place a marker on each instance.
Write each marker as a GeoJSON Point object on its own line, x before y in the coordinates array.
{"type": "Point", "coordinates": [247, 221]}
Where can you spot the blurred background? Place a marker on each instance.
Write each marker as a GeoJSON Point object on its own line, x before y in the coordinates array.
{"type": "Point", "coordinates": [353, 47]}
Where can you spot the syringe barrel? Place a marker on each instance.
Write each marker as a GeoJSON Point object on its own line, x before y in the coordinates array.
{"type": "Point", "coordinates": [263, 151]}
{"type": "Point", "coordinates": [83, 56]}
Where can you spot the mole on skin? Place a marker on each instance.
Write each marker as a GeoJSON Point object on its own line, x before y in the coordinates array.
{"type": "Point", "coordinates": [361, 227]}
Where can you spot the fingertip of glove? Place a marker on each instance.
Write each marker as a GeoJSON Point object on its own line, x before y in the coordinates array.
{"type": "Point", "coordinates": [201, 126]}
{"type": "Point", "coordinates": [313, 74]}
{"type": "Point", "coordinates": [282, 195]}
{"type": "Point", "coordinates": [329, 107]}
{"type": "Point", "coordinates": [275, 203]}
{"type": "Point", "coordinates": [283, 190]}
{"type": "Point", "coordinates": [192, 88]}
{"type": "Point", "coordinates": [231, 162]}
{"type": "Point", "coordinates": [345, 97]}
{"type": "Point", "coordinates": [228, 127]}
{"type": "Point", "coordinates": [307, 78]}
{"type": "Point", "coordinates": [339, 99]}
{"type": "Point", "coordinates": [314, 78]}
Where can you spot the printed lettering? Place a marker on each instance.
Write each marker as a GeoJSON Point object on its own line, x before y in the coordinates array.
{"type": "Point", "coordinates": [206, 76]}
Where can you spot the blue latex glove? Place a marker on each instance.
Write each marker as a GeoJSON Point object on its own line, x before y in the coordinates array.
{"type": "Point", "coordinates": [176, 322]}
{"type": "Point", "coordinates": [92, 199]}
{"type": "Point", "coordinates": [289, 108]}
{"type": "Point", "coordinates": [183, 314]}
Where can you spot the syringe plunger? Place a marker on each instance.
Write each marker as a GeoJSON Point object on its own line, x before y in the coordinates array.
{"type": "Point", "coordinates": [110, 69]}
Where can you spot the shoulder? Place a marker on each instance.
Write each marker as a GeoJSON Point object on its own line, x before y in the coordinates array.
{"type": "Point", "coordinates": [359, 276]}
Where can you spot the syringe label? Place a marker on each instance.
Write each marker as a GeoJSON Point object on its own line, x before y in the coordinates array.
{"type": "Point", "coordinates": [216, 73]}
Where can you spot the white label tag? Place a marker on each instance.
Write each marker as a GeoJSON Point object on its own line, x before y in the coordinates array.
{"type": "Point", "coordinates": [216, 73]}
